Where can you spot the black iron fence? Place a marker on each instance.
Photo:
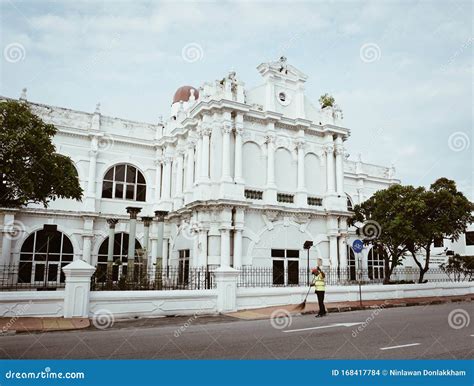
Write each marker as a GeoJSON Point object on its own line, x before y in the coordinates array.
{"type": "Point", "coordinates": [142, 277]}
{"type": "Point", "coordinates": [29, 276]}
{"type": "Point", "coordinates": [269, 277]}
{"type": "Point", "coordinates": [123, 278]}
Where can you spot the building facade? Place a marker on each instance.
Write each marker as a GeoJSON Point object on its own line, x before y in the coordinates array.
{"type": "Point", "coordinates": [234, 177]}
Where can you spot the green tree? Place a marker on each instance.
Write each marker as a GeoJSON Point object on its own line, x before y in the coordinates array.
{"type": "Point", "coordinates": [384, 224]}
{"type": "Point", "coordinates": [443, 212]}
{"type": "Point", "coordinates": [30, 169]}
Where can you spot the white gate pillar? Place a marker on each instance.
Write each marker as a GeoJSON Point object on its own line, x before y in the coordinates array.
{"type": "Point", "coordinates": [226, 284]}
{"type": "Point", "coordinates": [77, 292]}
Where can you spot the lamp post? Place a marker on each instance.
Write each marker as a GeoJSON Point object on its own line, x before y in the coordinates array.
{"type": "Point", "coordinates": [307, 245]}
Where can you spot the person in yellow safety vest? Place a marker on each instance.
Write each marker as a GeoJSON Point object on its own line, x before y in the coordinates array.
{"type": "Point", "coordinates": [320, 288]}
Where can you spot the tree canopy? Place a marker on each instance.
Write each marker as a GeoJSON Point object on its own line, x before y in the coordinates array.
{"type": "Point", "coordinates": [30, 169]}
{"type": "Point", "coordinates": [408, 219]}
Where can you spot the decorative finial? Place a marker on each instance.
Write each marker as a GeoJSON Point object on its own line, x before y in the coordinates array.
{"type": "Point", "coordinates": [359, 157]}
{"type": "Point", "coordinates": [23, 94]}
{"type": "Point", "coordinates": [97, 108]}
{"type": "Point", "coordinates": [283, 59]}
{"type": "Point", "coordinates": [160, 119]}
{"type": "Point", "coordinates": [192, 98]}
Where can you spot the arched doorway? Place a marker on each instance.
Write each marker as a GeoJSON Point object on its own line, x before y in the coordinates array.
{"type": "Point", "coordinates": [120, 257]}
{"type": "Point", "coordinates": [42, 257]}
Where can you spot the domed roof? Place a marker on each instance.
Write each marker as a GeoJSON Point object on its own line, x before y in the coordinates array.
{"type": "Point", "coordinates": [184, 93]}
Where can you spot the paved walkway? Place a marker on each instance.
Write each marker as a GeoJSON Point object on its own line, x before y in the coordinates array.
{"type": "Point", "coordinates": [310, 308]}
{"type": "Point", "coordinates": [27, 324]}
{"type": "Point", "coordinates": [11, 325]}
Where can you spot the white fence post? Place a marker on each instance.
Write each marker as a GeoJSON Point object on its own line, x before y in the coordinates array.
{"type": "Point", "coordinates": [226, 284]}
{"type": "Point", "coordinates": [77, 292]}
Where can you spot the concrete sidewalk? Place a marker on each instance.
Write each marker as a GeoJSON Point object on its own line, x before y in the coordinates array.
{"type": "Point", "coordinates": [29, 324]}
{"type": "Point", "coordinates": [312, 308]}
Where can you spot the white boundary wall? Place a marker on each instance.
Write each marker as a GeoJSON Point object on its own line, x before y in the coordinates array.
{"type": "Point", "coordinates": [129, 304]}
{"type": "Point", "coordinates": [32, 303]}
{"type": "Point", "coordinates": [248, 298]}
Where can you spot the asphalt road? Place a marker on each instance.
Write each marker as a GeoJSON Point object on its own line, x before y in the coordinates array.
{"type": "Point", "coordinates": [421, 332]}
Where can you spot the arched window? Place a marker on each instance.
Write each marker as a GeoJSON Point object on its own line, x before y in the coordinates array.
{"type": "Point", "coordinates": [120, 256]}
{"type": "Point", "coordinates": [43, 254]}
{"type": "Point", "coordinates": [375, 265]}
{"type": "Point", "coordinates": [124, 182]}
{"type": "Point", "coordinates": [350, 206]}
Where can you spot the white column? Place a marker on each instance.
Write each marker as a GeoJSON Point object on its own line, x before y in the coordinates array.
{"type": "Point", "coordinates": [166, 183]}
{"type": "Point", "coordinates": [87, 235]}
{"type": "Point", "coordinates": [86, 248]}
{"type": "Point", "coordinates": [158, 247]}
{"type": "Point", "coordinates": [238, 154]}
{"type": "Point", "coordinates": [206, 133]}
{"type": "Point", "coordinates": [333, 251]}
{"type": "Point", "coordinates": [110, 249]}
{"type": "Point", "coordinates": [343, 252]}
{"type": "Point", "coordinates": [238, 248]}
{"type": "Point", "coordinates": [7, 234]}
{"type": "Point", "coordinates": [225, 247]}
{"type": "Point", "coordinates": [146, 235]}
{"type": "Point", "coordinates": [179, 174]}
{"type": "Point", "coordinates": [340, 169]}
{"type": "Point", "coordinates": [133, 212]}
{"type": "Point", "coordinates": [329, 149]}
{"type": "Point", "coordinates": [197, 173]}
{"type": "Point", "coordinates": [226, 130]}
{"type": "Point", "coordinates": [301, 183]}
{"type": "Point", "coordinates": [158, 182]}
{"type": "Point", "coordinates": [271, 161]}
{"type": "Point", "coordinates": [203, 247]}
{"type": "Point", "coordinates": [190, 166]}
{"type": "Point", "coordinates": [164, 260]}
{"type": "Point", "coordinates": [91, 179]}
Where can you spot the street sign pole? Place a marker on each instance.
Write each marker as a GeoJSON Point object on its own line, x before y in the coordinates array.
{"type": "Point", "coordinates": [357, 247]}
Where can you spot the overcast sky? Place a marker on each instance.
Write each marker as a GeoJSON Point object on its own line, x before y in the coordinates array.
{"type": "Point", "coordinates": [400, 70]}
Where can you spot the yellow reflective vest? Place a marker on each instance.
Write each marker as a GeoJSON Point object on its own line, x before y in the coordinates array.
{"type": "Point", "coordinates": [318, 282]}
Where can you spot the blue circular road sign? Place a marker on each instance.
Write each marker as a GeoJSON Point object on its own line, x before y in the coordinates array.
{"type": "Point", "coordinates": [357, 246]}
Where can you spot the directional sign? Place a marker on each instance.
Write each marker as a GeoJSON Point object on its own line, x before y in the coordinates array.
{"type": "Point", "coordinates": [357, 246]}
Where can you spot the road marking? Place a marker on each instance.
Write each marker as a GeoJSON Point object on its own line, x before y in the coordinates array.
{"type": "Point", "coordinates": [402, 345]}
{"type": "Point", "coordinates": [328, 326]}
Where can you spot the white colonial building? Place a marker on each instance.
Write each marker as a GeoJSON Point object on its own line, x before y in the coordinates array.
{"type": "Point", "coordinates": [246, 176]}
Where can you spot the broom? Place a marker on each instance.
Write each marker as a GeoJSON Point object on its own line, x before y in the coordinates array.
{"type": "Point", "coordinates": [302, 305]}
